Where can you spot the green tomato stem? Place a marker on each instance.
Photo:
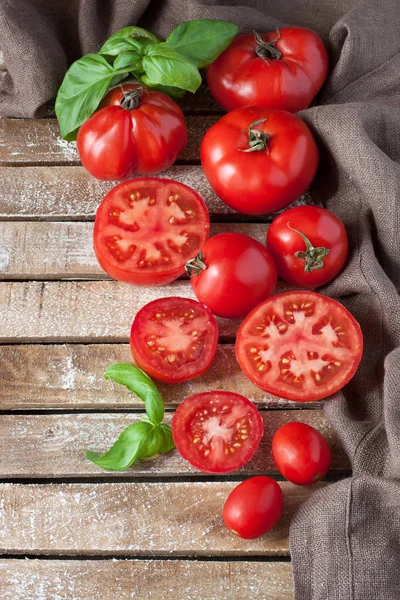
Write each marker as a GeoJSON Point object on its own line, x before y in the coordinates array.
{"type": "Point", "coordinates": [313, 257]}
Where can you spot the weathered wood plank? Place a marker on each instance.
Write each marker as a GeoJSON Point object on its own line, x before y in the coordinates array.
{"type": "Point", "coordinates": [71, 376]}
{"type": "Point", "coordinates": [52, 445]}
{"type": "Point", "coordinates": [142, 579]}
{"type": "Point", "coordinates": [54, 250]}
{"type": "Point", "coordinates": [135, 519]}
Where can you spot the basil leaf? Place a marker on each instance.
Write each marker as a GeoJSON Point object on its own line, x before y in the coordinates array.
{"type": "Point", "coordinates": [168, 440]}
{"type": "Point", "coordinates": [140, 384]}
{"type": "Point", "coordinates": [202, 41]}
{"type": "Point", "coordinates": [130, 59]}
{"type": "Point", "coordinates": [127, 39]}
{"type": "Point", "coordinates": [173, 92]}
{"type": "Point", "coordinates": [165, 66]}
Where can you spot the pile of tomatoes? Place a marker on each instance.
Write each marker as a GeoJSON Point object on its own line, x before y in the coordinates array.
{"type": "Point", "coordinates": [258, 158]}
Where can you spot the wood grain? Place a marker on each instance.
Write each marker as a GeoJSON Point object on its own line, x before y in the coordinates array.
{"type": "Point", "coordinates": [52, 445]}
{"type": "Point", "coordinates": [135, 519]}
{"type": "Point", "coordinates": [143, 579]}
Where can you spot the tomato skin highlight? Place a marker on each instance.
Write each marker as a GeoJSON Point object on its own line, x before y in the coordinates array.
{"type": "Point", "coordinates": [238, 77]}
{"type": "Point", "coordinates": [253, 507]}
{"type": "Point", "coordinates": [265, 180]}
{"type": "Point", "coordinates": [301, 453]}
{"type": "Point", "coordinates": [240, 274]}
{"type": "Point", "coordinates": [116, 143]}
{"type": "Point", "coordinates": [323, 229]}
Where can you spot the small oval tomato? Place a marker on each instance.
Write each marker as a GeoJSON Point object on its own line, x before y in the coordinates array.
{"type": "Point", "coordinates": [147, 229]}
{"type": "Point", "coordinates": [301, 453]}
{"type": "Point", "coordinates": [259, 160]}
{"type": "Point", "coordinates": [299, 345]}
{"type": "Point", "coordinates": [281, 69]}
{"type": "Point", "coordinates": [253, 507]}
{"type": "Point", "coordinates": [309, 245]}
{"type": "Point", "coordinates": [217, 432]}
{"type": "Point", "coordinates": [174, 339]}
{"type": "Point", "coordinates": [138, 132]}
{"type": "Point", "coordinates": [232, 274]}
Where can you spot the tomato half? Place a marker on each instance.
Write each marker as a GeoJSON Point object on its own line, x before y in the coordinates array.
{"type": "Point", "coordinates": [259, 160]}
{"type": "Point", "coordinates": [174, 339]}
{"type": "Point", "coordinates": [299, 345]}
{"type": "Point", "coordinates": [301, 453]}
{"type": "Point", "coordinates": [137, 131]}
{"type": "Point", "coordinates": [217, 432]}
{"type": "Point", "coordinates": [309, 245]}
{"type": "Point", "coordinates": [253, 507]}
{"type": "Point", "coordinates": [147, 229]}
{"type": "Point", "coordinates": [280, 69]}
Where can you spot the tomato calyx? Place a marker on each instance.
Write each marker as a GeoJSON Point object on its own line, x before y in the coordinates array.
{"type": "Point", "coordinates": [195, 266]}
{"type": "Point", "coordinates": [267, 50]}
{"type": "Point", "coordinates": [131, 99]}
{"type": "Point", "coordinates": [313, 257]}
{"type": "Point", "coordinates": [258, 139]}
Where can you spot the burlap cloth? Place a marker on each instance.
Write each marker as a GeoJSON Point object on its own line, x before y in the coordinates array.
{"type": "Point", "coordinates": [345, 540]}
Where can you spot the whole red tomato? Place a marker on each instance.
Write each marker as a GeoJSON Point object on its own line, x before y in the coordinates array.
{"type": "Point", "coordinates": [137, 131]}
{"type": "Point", "coordinates": [309, 245]}
{"type": "Point", "coordinates": [281, 69]}
{"type": "Point", "coordinates": [259, 160]}
{"type": "Point", "coordinates": [253, 507]}
{"type": "Point", "coordinates": [301, 453]}
{"type": "Point", "coordinates": [232, 274]}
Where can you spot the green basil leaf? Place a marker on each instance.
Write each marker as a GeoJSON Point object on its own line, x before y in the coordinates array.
{"type": "Point", "coordinates": [168, 440]}
{"type": "Point", "coordinates": [173, 92]}
{"type": "Point", "coordinates": [165, 66]}
{"type": "Point", "coordinates": [130, 59]}
{"type": "Point", "coordinates": [138, 382]}
{"type": "Point", "coordinates": [202, 41]}
{"type": "Point", "coordinates": [127, 39]}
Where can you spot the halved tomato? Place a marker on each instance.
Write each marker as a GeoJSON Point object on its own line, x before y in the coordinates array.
{"type": "Point", "coordinates": [299, 345]}
{"type": "Point", "coordinates": [147, 229]}
{"type": "Point", "coordinates": [217, 432]}
{"type": "Point", "coordinates": [174, 339]}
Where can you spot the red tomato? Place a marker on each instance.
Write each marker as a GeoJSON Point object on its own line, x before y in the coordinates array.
{"type": "Point", "coordinates": [174, 339]}
{"type": "Point", "coordinates": [259, 160]}
{"type": "Point", "coordinates": [299, 345]}
{"type": "Point", "coordinates": [309, 245]}
{"type": "Point", "coordinates": [301, 453]}
{"type": "Point", "coordinates": [147, 229]}
{"type": "Point", "coordinates": [281, 69]}
{"type": "Point", "coordinates": [139, 132]}
{"type": "Point", "coordinates": [217, 432]}
{"type": "Point", "coordinates": [232, 274]}
{"type": "Point", "coordinates": [253, 507]}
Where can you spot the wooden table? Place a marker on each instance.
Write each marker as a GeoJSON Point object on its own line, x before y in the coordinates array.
{"type": "Point", "coordinates": [154, 531]}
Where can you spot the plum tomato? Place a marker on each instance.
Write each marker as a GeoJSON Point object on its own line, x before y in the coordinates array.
{"type": "Point", "coordinates": [282, 69]}
{"type": "Point", "coordinates": [299, 345]}
{"type": "Point", "coordinates": [174, 339]}
{"type": "Point", "coordinates": [309, 245]}
{"type": "Point", "coordinates": [259, 160]}
{"type": "Point", "coordinates": [232, 274]}
{"type": "Point", "coordinates": [253, 507]}
{"type": "Point", "coordinates": [147, 229]}
{"type": "Point", "coordinates": [137, 131]}
{"type": "Point", "coordinates": [301, 453]}
{"type": "Point", "coordinates": [217, 432]}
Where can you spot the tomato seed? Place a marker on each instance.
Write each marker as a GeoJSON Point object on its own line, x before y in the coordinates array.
{"type": "Point", "coordinates": [337, 363]}
{"type": "Point", "coordinates": [176, 196]}
{"type": "Point", "coordinates": [161, 348]}
{"type": "Point", "coordinates": [244, 437]}
{"type": "Point", "coordinates": [285, 361]}
{"type": "Point", "coordinates": [261, 367]}
{"type": "Point", "coordinates": [318, 377]}
{"type": "Point", "coordinates": [196, 440]}
{"type": "Point", "coordinates": [207, 452]}
{"type": "Point", "coordinates": [253, 350]}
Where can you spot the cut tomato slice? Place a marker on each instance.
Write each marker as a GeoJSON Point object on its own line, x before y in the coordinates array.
{"type": "Point", "coordinates": [299, 345]}
{"type": "Point", "coordinates": [146, 229]}
{"type": "Point", "coordinates": [174, 339]}
{"type": "Point", "coordinates": [217, 432]}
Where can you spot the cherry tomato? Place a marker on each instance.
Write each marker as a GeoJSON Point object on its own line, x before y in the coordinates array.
{"type": "Point", "coordinates": [299, 345]}
{"type": "Point", "coordinates": [217, 432]}
{"type": "Point", "coordinates": [281, 69]}
{"type": "Point", "coordinates": [253, 507]}
{"type": "Point", "coordinates": [301, 453]}
{"type": "Point", "coordinates": [147, 229]}
{"type": "Point", "coordinates": [309, 245]}
{"type": "Point", "coordinates": [259, 160]}
{"type": "Point", "coordinates": [138, 132]}
{"type": "Point", "coordinates": [174, 339]}
{"type": "Point", "coordinates": [232, 274]}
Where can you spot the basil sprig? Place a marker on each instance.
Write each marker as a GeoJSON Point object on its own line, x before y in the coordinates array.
{"type": "Point", "coordinates": [139, 440]}
{"type": "Point", "coordinates": [171, 66]}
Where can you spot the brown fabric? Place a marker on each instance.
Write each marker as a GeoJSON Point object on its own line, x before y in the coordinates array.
{"type": "Point", "coordinates": [345, 540]}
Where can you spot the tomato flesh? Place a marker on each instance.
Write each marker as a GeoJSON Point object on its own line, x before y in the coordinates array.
{"type": "Point", "coordinates": [218, 431]}
{"type": "Point", "coordinates": [146, 230]}
{"type": "Point", "coordinates": [299, 345]}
